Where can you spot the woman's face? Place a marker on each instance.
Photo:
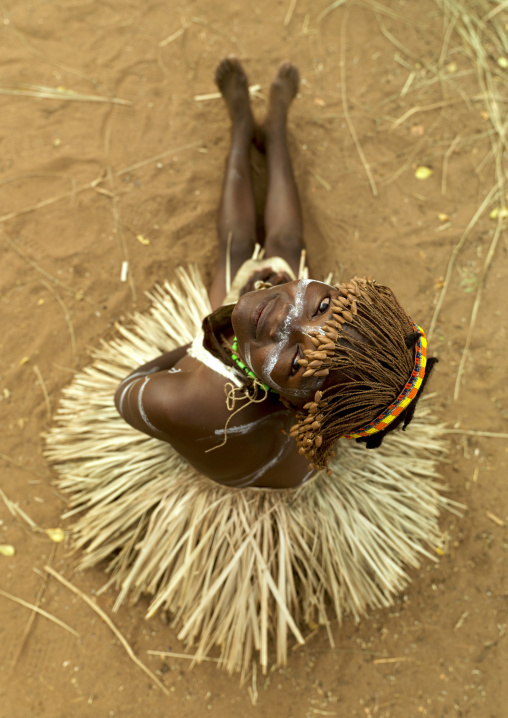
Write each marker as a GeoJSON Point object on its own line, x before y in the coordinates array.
{"type": "Point", "coordinates": [273, 328]}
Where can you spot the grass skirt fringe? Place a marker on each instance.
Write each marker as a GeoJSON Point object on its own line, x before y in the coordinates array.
{"type": "Point", "coordinates": [235, 567]}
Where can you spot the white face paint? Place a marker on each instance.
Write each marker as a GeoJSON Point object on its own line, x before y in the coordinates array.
{"type": "Point", "coordinates": [247, 357]}
{"type": "Point", "coordinates": [295, 310]}
{"type": "Point", "coordinates": [264, 351]}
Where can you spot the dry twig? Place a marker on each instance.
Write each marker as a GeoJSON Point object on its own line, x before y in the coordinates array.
{"type": "Point", "coordinates": [174, 36]}
{"type": "Point", "coordinates": [45, 57]}
{"type": "Point", "coordinates": [67, 316]}
{"type": "Point", "coordinates": [172, 654]}
{"type": "Point", "coordinates": [494, 518]}
{"type": "Point", "coordinates": [476, 305]}
{"type": "Point", "coordinates": [16, 511]}
{"type": "Point", "coordinates": [345, 107]}
{"type": "Point", "coordinates": [423, 108]}
{"type": "Point", "coordinates": [42, 384]}
{"type": "Point", "coordinates": [446, 157]}
{"type": "Point", "coordinates": [57, 93]}
{"type": "Point", "coordinates": [290, 12]}
{"type": "Point", "coordinates": [39, 610]}
{"type": "Point", "coordinates": [12, 461]}
{"type": "Point", "coordinates": [116, 211]}
{"type": "Point", "coordinates": [451, 262]}
{"type": "Point", "coordinates": [109, 623]}
{"type": "Point", "coordinates": [94, 183]}
{"type": "Point", "coordinates": [472, 432]}
{"type": "Point", "coordinates": [461, 620]}
{"type": "Point", "coordinates": [31, 618]}
{"type": "Point", "coordinates": [253, 689]}
{"type": "Point", "coordinates": [400, 659]}
{"type": "Point", "coordinates": [34, 264]}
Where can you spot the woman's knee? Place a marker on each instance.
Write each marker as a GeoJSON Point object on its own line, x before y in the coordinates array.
{"type": "Point", "coordinates": [234, 237]}
{"type": "Point", "coordinates": [284, 243]}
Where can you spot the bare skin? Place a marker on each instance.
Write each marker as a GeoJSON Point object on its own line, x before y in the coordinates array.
{"type": "Point", "coordinates": [236, 221]}
{"type": "Point", "coordinates": [178, 399]}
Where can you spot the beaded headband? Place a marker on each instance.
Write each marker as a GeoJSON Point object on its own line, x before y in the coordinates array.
{"type": "Point", "coordinates": [405, 397]}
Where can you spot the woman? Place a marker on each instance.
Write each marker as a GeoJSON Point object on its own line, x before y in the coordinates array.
{"type": "Point", "coordinates": [281, 330]}
{"type": "Point", "coordinates": [261, 550]}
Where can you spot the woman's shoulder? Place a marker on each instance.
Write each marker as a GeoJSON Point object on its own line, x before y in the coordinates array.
{"type": "Point", "coordinates": [215, 426]}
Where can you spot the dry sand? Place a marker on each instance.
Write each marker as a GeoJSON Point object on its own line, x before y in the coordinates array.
{"type": "Point", "coordinates": [84, 184]}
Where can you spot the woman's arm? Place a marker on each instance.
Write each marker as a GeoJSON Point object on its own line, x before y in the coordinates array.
{"type": "Point", "coordinates": [163, 363]}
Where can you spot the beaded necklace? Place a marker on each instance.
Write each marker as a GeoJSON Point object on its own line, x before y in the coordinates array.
{"type": "Point", "coordinates": [244, 367]}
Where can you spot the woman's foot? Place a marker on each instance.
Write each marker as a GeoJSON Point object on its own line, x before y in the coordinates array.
{"type": "Point", "coordinates": [282, 93]}
{"type": "Point", "coordinates": [232, 82]}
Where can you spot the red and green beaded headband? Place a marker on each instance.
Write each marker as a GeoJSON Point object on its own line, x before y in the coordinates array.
{"type": "Point", "coordinates": [405, 397]}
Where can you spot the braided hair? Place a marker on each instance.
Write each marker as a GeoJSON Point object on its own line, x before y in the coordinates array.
{"type": "Point", "coordinates": [367, 354]}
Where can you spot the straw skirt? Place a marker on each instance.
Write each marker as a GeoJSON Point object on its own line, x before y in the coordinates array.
{"type": "Point", "coordinates": [246, 570]}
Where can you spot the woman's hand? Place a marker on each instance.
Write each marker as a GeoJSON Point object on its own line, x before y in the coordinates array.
{"type": "Point", "coordinates": [265, 276]}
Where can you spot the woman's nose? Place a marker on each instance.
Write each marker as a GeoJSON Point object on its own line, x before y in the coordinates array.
{"type": "Point", "coordinates": [287, 321]}
{"type": "Point", "coordinates": [282, 320]}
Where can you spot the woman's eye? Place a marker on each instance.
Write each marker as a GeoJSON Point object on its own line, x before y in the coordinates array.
{"type": "Point", "coordinates": [323, 306]}
{"type": "Point", "coordinates": [295, 365]}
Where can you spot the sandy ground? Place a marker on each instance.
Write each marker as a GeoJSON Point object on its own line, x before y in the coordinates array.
{"type": "Point", "coordinates": [86, 186]}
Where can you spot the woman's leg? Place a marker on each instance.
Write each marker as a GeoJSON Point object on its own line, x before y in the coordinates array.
{"type": "Point", "coordinates": [236, 221]}
{"type": "Point", "coordinates": [283, 213]}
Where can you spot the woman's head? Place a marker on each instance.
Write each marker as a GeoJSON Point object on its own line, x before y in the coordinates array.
{"type": "Point", "coordinates": [350, 347]}
{"type": "Point", "coordinates": [274, 328]}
